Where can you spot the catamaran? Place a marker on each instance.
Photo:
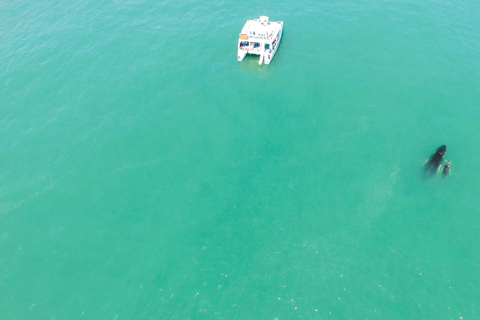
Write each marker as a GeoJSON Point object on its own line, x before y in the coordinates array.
{"type": "Point", "coordinates": [261, 37]}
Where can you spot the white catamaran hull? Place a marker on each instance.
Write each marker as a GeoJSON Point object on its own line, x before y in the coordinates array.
{"type": "Point", "coordinates": [269, 54]}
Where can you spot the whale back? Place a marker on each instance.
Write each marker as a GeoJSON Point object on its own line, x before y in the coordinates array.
{"type": "Point", "coordinates": [435, 160]}
{"type": "Point", "coordinates": [446, 168]}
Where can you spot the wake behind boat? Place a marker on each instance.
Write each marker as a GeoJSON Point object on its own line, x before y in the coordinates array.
{"type": "Point", "coordinates": [261, 37]}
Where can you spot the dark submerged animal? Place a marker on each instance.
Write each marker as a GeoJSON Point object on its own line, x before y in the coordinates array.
{"type": "Point", "coordinates": [446, 168]}
{"type": "Point", "coordinates": [435, 160]}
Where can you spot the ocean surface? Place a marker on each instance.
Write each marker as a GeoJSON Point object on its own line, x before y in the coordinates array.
{"type": "Point", "coordinates": [146, 174]}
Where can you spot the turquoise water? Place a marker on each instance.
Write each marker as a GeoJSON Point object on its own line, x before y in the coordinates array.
{"type": "Point", "coordinates": [146, 174]}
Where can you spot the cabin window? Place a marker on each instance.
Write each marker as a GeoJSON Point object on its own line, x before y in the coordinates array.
{"type": "Point", "coordinates": [267, 46]}
{"type": "Point", "coordinates": [244, 44]}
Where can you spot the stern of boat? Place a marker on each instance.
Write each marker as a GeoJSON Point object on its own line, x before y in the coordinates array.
{"type": "Point", "coordinates": [241, 54]}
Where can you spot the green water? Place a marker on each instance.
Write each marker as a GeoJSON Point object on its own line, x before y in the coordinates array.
{"type": "Point", "coordinates": [146, 174]}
